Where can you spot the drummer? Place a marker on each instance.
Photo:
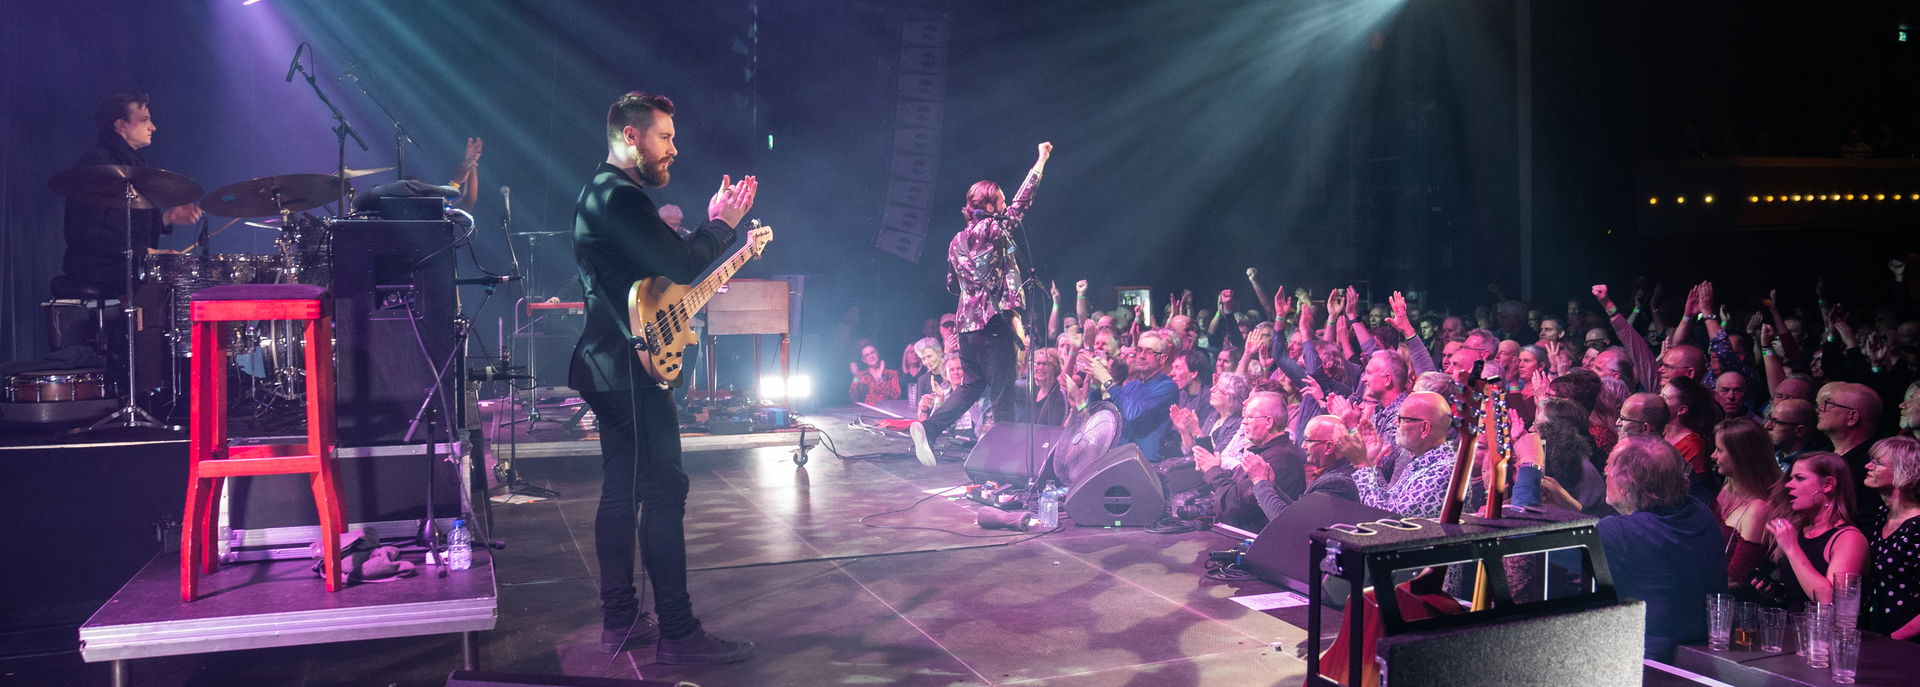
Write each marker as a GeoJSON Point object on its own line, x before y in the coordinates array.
{"type": "Point", "coordinates": [95, 260]}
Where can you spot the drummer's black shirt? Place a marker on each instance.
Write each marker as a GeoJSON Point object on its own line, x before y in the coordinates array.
{"type": "Point", "coordinates": [97, 236]}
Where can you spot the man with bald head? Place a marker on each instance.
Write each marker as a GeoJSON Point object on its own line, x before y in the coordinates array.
{"type": "Point", "coordinates": [1327, 469]}
{"type": "Point", "coordinates": [1730, 390]}
{"type": "Point", "coordinates": [1643, 415]}
{"type": "Point", "coordinates": [1797, 386]}
{"type": "Point", "coordinates": [1846, 413]}
{"type": "Point", "coordinates": [1419, 484]}
{"type": "Point", "coordinates": [1682, 361]}
{"type": "Point", "coordinates": [1790, 424]}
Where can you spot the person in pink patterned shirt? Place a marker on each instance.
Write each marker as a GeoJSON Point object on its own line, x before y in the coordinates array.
{"type": "Point", "coordinates": [987, 275]}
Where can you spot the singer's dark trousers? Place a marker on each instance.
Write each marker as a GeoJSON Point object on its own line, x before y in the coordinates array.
{"type": "Point", "coordinates": [988, 360]}
{"type": "Point", "coordinates": [641, 471]}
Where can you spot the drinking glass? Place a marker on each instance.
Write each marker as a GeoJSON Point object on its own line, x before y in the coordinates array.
{"type": "Point", "coordinates": [1719, 621]}
{"type": "Point", "coordinates": [1773, 629]}
{"type": "Point", "coordinates": [1820, 642]}
{"type": "Point", "coordinates": [1846, 599]}
{"type": "Point", "coordinates": [1746, 625]}
{"type": "Point", "coordinates": [1846, 655]}
{"type": "Point", "coordinates": [1802, 631]}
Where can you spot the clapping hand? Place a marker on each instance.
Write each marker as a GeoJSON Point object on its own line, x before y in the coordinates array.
{"type": "Point", "coordinates": [1398, 304]}
{"type": "Point", "coordinates": [1184, 420]}
{"type": "Point", "coordinates": [1257, 468]}
{"type": "Point", "coordinates": [731, 203]}
{"type": "Point", "coordinates": [1204, 460]}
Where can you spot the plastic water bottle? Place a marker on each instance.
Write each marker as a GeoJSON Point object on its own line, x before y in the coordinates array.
{"type": "Point", "coordinates": [460, 546]}
{"type": "Point", "coordinates": [1049, 508]}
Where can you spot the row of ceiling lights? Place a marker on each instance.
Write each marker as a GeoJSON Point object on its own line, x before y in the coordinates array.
{"type": "Point", "coordinates": [1798, 197]}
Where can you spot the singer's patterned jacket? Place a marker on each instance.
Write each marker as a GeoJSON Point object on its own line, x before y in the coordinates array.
{"type": "Point", "coordinates": [984, 267]}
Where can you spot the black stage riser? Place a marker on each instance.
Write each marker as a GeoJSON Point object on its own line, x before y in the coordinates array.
{"type": "Point", "coordinates": [1002, 453]}
{"type": "Point", "coordinates": [1121, 490]}
{"type": "Point", "coordinates": [484, 678]}
{"type": "Point", "coordinates": [1279, 555]}
{"type": "Point", "coordinates": [379, 266]}
{"type": "Point", "coordinates": [1599, 646]}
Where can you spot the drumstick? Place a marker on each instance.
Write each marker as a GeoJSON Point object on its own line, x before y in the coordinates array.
{"type": "Point", "coordinates": [216, 232]}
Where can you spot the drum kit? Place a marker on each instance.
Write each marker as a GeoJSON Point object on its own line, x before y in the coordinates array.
{"type": "Point", "coordinates": [265, 354]}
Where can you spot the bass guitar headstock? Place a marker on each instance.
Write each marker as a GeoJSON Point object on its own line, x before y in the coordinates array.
{"type": "Point", "coordinates": [758, 236]}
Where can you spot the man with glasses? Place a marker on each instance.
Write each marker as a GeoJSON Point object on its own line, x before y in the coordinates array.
{"type": "Point", "coordinates": [1790, 424]}
{"type": "Point", "coordinates": [1418, 486]}
{"type": "Point", "coordinates": [1846, 412]}
{"type": "Point", "coordinates": [1643, 415]}
{"type": "Point", "coordinates": [1263, 422]}
{"type": "Point", "coordinates": [1145, 396]}
{"type": "Point", "coordinates": [1327, 469]}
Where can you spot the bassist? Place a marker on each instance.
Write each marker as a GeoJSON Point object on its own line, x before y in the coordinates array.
{"type": "Point", "coordinates": [619, 238]}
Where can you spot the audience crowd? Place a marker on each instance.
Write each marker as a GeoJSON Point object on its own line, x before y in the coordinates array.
{"type": "Point", "coordinates": [1762, 451]}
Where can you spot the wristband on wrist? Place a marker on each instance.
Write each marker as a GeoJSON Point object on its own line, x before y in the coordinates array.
{"type": "Point", "coordinates": [1612, 311]}
{"type": "Point", "coordinates": [1766, 352]}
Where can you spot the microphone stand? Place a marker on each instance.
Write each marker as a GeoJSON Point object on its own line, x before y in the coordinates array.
{"type": "Point", "coordinates": [400, 135]}
{"type": "Point", "coordinates": [1029, 283]}
{"type": "Point", "coordinates": [341, 131]}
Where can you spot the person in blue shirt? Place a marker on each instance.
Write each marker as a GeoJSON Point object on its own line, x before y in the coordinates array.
{"type": "Point", "coordinates": [1145, 396]}
{"type": "Point", "coordinates": [1664, 547]}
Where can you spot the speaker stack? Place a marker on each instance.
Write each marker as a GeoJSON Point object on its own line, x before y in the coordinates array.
{"type": "Point", "coordinates": [393, 299]}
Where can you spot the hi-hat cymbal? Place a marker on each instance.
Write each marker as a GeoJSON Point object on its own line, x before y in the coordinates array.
{"type": "Point", "coordinates": [268, 195]}
{"type": "Point", "coordinates": [106, 185]}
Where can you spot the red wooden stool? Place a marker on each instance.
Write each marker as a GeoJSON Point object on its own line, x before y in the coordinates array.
{"type": "Point", "coordinates": [211, 460]}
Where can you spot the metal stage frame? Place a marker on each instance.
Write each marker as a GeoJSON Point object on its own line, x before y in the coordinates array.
{"type": "Point", "coordinates": [283, 603]}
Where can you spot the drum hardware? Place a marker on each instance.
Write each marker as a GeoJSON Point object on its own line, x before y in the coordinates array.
{"type": "Point", "coordinates": [128, 186]}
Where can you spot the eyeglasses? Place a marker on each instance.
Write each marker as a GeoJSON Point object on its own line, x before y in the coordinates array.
{"type": "Point", "coordinates": [1828, 404]}
{"type": "Point", "coordinates": [1245, 417]}
{"type": "Point", "coordinates": [1149, 350]}
{"type": "Point", "coordinates": [1624, 420]}
{"type": "Point", "coordinates": [1308, 443]}
{"type": "Point", "coordinates": [1411, 420]}
{"type": "Point", "coordinates": [1772, 421]}
{"type": "Point", "coordinates": [1597, 345]}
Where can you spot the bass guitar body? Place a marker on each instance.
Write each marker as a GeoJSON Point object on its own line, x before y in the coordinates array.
{"type": "Point", "coordinates": [663, 333]}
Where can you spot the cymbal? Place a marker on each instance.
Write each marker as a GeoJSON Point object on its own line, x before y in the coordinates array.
{"type": "Point", "coordinates": [106, 185]}
{"type": "Point", "coordinates": [357, 173]}
{"type": "Point", "coordinates": [268, 195]}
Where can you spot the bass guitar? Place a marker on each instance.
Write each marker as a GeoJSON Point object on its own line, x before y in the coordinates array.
{"type": "Point", "coordinates": [660, 312]}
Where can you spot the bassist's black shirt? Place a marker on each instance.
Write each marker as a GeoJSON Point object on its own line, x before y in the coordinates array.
{"type": "Point", "coordinates": [619, 238]}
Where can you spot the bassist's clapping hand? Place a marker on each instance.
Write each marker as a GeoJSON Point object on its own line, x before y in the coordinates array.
{"type": "Point", "coordinates": [733, 200]}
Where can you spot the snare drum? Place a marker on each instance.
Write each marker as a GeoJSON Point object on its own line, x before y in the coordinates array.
{"type": "Point", "coordinates": [50, 386]}
{"type": "Point", "coordinates": [171, 269]}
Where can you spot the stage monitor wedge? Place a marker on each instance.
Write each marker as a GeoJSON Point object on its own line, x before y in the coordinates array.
{"type": "Point", "coordinates": [1002, 454]}
{"type": "Point", "coordinates": [1121, 490]}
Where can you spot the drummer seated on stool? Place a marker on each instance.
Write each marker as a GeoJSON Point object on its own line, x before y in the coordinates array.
{"type": "Point", "coordinates": [95, 264]}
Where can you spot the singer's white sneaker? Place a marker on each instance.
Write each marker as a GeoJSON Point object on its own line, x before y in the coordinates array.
{"type": "Point", "coordinates": [921, 448]}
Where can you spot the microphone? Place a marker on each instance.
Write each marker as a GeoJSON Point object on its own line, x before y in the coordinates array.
{"type": "Point", "coordinates": [506, 200]}
{"type": "Point", "coordinates": [296, 61]}
{"type": "Point", "coordinates": [486, 281]}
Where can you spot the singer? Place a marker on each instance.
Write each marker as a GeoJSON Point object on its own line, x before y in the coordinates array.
{"type": "Point", "coordinates": [986, 274]}
{"type": "Point", "coordinates": [619, 238]}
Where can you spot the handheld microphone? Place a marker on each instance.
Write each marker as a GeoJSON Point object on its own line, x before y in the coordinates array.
{"type": "Point", "coordinates": [506, 201]}
{"type": "Point", "coordinates": [296, 61]}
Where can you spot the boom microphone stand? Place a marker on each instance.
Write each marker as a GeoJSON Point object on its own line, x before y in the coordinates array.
{"type": "Point", "coordinates": [341, 131]}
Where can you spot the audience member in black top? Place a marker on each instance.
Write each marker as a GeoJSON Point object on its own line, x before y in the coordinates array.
{"type": "Point", "coordinates": [97, 235]}
{"type": "Point", "coordinates": [1812, 528]}
{"type": "Point", "coordinates": [1263, 422]}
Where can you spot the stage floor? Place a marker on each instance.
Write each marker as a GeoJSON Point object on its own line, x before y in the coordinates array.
{"type": "Point", "coordinates": [780, 557]}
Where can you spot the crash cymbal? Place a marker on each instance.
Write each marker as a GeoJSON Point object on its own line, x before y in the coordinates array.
{"type": "Point", "coordinates": [268, 195]}
{"type": "Point", "coordinates": [357, 173]}
{"type": "Point", "coordinates": [106, 185]}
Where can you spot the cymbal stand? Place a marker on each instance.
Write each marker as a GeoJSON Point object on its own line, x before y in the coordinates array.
{"type": "Point", "coordinates": [131, 415]}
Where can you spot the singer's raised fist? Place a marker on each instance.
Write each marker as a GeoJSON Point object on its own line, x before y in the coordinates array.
{"type": "Point", "coordinates": [1046, 149]}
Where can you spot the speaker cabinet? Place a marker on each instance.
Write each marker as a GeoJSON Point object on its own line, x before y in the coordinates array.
{"type": "Point", "coordinates": [1279, 555]}
{"type": "Point", "coordinates": [393, 300]}
{"type": "Point", "coordinates": [1596, 646]}
{"type": "Point", "coordinates": [1121, 490]}
{"type": "Point", "coordinates": [1002, 455]}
